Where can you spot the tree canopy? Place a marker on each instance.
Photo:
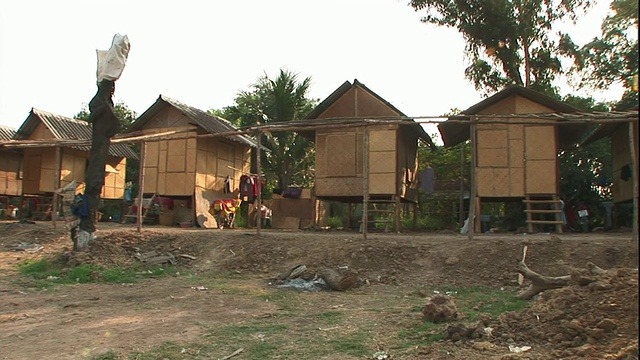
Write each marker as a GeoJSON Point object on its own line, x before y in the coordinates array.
{"type": "Point", "coordinates": [507, 41]}
{"type": "Point", "coordinates": [290, 157]}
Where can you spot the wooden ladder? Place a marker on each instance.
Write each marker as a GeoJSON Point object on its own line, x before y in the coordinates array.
{"type": "Point", "coordinates": [131, 215]}
{"type": "Point", "coordinates": [543, 205]}
{"type": "Point", "coordinates": [382, 212]}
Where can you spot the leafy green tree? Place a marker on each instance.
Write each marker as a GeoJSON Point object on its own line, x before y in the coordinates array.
{"type": "Point", "coordinates": [507, 42]}
{"type": "Point", "coordinates": [612, 57]}
{"type": "Point", "coordinates": [290, 157]}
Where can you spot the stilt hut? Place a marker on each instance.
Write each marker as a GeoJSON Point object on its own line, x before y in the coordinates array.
{"type": "Point", "coordinates": [392, 152]}
{"type": "Point", "coordinates": [516, 162]}
{"type": "Point", "coordinates": [10, 172]}
{"type": "Point", "coordinates": [46, 169]}
{"type": "Point", "coordinates": [624, 171]}
{"type": "Point", "coordinates": [195, 169]}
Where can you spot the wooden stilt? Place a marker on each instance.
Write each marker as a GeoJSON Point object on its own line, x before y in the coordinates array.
{"type": "Point", "coordinates": [143, 154]}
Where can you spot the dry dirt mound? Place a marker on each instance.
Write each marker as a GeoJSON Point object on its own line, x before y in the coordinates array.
{"type": "Point", "coordinates": [598, 321]}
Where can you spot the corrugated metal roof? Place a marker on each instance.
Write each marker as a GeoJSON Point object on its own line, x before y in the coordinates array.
{"type": "Point", "coordinates": [67, 128]}
{"type": "Point", "coordinates": [7, 133]}
{"type": "Point", "coordinates": [210, 123]}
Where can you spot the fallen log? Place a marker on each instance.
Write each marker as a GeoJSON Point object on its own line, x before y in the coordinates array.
{"type": "Point", "coordinates": [337, 281]}
{"type": "Point", "coordinates": [539, 283]}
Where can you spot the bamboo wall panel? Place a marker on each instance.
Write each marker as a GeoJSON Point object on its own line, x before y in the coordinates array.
{"type": "Point", "coordinates": [382, 183]}
{"type": "Point", "coordinates": [343, 155]}
{"type": "Point", "coordinates": [516, 153]}
{"type": "Point", "coordinates": [484, 182]}
{"type": "Point", "coordinates": [169, 118]}
{"type": "Point", "coordinates": [540, 177]}
{"type": "Point", "coordinates": [540, 143]}
{"type": "Point", "coordinates": [369, 105]}
{"type": "Point", "coordinates": [321, 155]}
{"type": "Point", "coordinates": [382, 140]}
{"type": "Point", "coordinates": [32, 164]}
{"type": "Point", "coordinates": [343, 107]}
{"type": "Point", "coordinates": [622, 190]}
{"type": "Point", "coordinates": [382, 162]}
{"type": "Point", "coordinates": [47, 172]}
{"type": "Point", "coordinates": [516, 187]}
{"type": "Point", "coordinates": [9, 169]}
{"type": "Point", "coordinates": [349, 186]}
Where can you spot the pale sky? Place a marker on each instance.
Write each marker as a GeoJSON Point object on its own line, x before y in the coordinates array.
{"type": "Point", "coordinates": [203, 53]}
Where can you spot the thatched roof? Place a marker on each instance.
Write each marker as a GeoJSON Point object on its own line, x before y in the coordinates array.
{"type": "Point", "coordinates": [343, 89]}
{"type": "Point", "coordinates": [208, 122]}
{"type": "Point", "coordinates": [67, 128]}
{"type": "Point", "coordinates": [456, 132]}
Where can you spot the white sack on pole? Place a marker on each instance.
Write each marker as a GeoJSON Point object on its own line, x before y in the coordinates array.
{"type": "Point", "coordinates": [111, 62]}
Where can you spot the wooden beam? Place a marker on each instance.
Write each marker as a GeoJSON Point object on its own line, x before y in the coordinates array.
{"type": "Point", "coordinates": [365, 182]}
{"type": "Point", "coordinates": [56, 186]}
{"type": "Point", "coordinates": [143, 155]}
{"type": "Point", "coordinates": [634, 177]}
{"type": "Point", "coordinates": [472, 195]}
{"type": "Point", "coordinates": [259, 187]}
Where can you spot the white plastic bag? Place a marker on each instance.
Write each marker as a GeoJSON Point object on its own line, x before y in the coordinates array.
{"type": "Point", "coordinates": [111, 62]}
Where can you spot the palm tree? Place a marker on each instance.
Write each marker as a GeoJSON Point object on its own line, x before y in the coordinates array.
{"type": "Point", "coordinates": [290, 157]}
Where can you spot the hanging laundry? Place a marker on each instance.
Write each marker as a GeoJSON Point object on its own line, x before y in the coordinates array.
{"type": "Point", "coordinates": [427, 180]}
{"type": "Point", "coordinates": [227, 185]}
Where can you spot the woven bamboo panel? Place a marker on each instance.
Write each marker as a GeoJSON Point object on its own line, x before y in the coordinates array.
{"type": "Point", "coordinates": [484, 182]}
{"type": "Point", "coordinates": [491, 139]}
{"type": "Point", "coordinates": [177, 147]}
{"type": "Point", "coordinates": [210, 181]}
{"type": "Point", "coordinates": [516, 175]}
{"type": "Point", "coordinates": [321, 155]}
{"type": "Point", "coordinates": [339, 187]}
{"type": "Point", "coordinates": [345, 106]}
{"type": "Point", "coordinates": [175, 184]}
{"type": "Point", "coordinates": [382, 184]}
{"type": "Point", "coordinates": [225, 150]}
{"type": "Point", "coordinates": [212, 163]}
{"type": "Point", "coordinates": [540, 142]}
{"type": "Point", "coordinates": [541, 177]}
{"type": "Point", "coordinates": [382, 140]}
{"type": "Point", "coordinates": [498, 157]}
{"type": "Point", "coordinates": [343, 155]}
{"type": "Point", "coordinates": [516, 153]}
{"type": "Point", "coordinates": [382, 162]}
{"type": "Point", "coordinates": [176, 163]}
{"type": "Point", "coordinates": [516, 132]}
{"type": "Point", "coordinates": [151, 154]}
{"type": "Point", "coordinates": [526, 106]}
{"type": "Point", "coordinates": [150, 180]}
{"type": "Point", "coordinates": [201, 161]}
{"type": "Point", "coordinates": [501, 182]}
{"type": "Point", "coordinates": [201, 180]}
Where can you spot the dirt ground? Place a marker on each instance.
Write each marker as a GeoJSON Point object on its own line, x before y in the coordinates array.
{"type": "Point", "coordinates": [79, 321]}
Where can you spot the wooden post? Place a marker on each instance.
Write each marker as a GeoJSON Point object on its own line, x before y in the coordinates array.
{"type": "Point", "coordinates": [415, 214]}
{"type": "Point", "coordinates": [143, 154]}
{"type": "Point", "coordinates": [397, 213]}
{"type": "Point", "coordinates": [472, 195]}
{"type": "Point", "coordinates": [259, 187]}
{"type": "Point", "coordinates": [461, 202]}
{"type": "Point", "coordinates": [634, 178]}
{"type": "Point", "coordinates": [365, 181]}
{"type": "Point", "coordinates": [56, 186]}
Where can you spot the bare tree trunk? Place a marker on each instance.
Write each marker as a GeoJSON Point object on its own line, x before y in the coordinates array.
{"type": "Point", "coordinates": [104, 125]}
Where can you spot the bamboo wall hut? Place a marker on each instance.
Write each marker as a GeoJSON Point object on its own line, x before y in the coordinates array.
{"type": "Point", "coordinates": [621, 158]}
{"type": "Point", "coordinates": [10, 167]}
{"type": "Point", "coordinates": [516, 161]}
{"type": "Point", "coordinates": [47, 168]}
{"type": "Point", "coordinates": [393, 150]}
{"type": "Point", "coordinates": [194, 164]}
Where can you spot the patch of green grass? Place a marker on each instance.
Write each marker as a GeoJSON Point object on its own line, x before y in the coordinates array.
{"type": "Point", "coordinates": [46, 273]}
{"type": "Point", "coordinates": [106, 356]}
{"type": "Point", "coordinates": [475, 300]}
